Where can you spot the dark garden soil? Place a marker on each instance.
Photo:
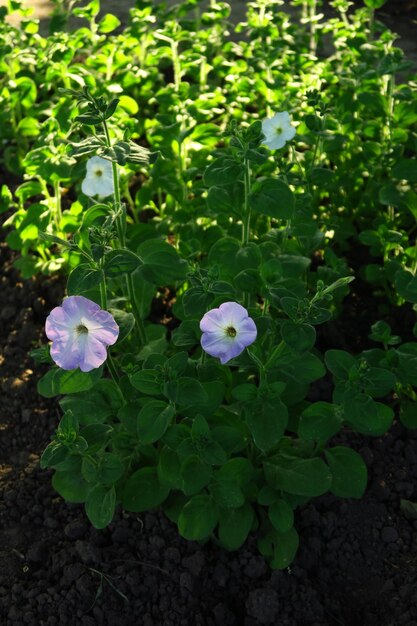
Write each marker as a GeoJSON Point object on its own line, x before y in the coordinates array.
{"type": "Point", "coordinates": [356, 566]}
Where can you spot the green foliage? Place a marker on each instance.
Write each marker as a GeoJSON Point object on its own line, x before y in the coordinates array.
{"type": "Point", "coordinates": [203, 212]}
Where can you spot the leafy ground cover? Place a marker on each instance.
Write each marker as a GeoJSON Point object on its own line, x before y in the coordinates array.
{"type": "Point", "coordinates": [230, 417]}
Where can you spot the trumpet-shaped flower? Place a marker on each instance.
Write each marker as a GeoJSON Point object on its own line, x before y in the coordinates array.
{"type": "Point", "coordinates": [80, 331]}
{"type": "Point", "coordinates": [98, 180]}
{"type": "Point", "coordinates": [227, 331]}
{"type": "Point", "coordinates": [277, 130]}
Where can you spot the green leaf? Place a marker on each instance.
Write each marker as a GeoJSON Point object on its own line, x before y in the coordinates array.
{"type": "Point", "coordinates": [407, 358]}
{"type": "Point", "coordinates": [406, 284]}
{"type": "Point", "coordinates": [212, 452]}
{"type": "Point", "coordinates": [406, 169]}
{"type": "Point", "coordinates": [147, 381]}
{"type": "Point", "coordinates": [267, 496]}
{"type": "Point", "coordinates": [267, 420]}
{"type": "Point", "coordinates": [89, 119]}
{"type": "Point", "coordinates": [100, 506]}
{"type": "Point", "coordinates": [120, 262]}
{"type": "Point", "coordinates": [196, 301]}
{"type": "Point", "coordinates": [285, 549]}
{"type": "Point", "coordinates": [95, 405]}
{"type": "Point", "coordinates": [96, 213]}
{"type": "Point", "coordinates": [187, 334]}
{"type": "Point", "coordinates": [83, 278]}
{"type": "Point", "coordinates": [378, 382]}
{"type": "Point", "coordinates": [245, 392]}
{"type": "Point", "coordinates": [227, 493]}
{"type": "Point", "coordinates": [153, 421]}
{"type": "Point", "coordinates": [238, 469]}
{"type": "Point", "coordinates": [319, 422]}
{"type": "Point", "coordinates": [162, 264]}
{"type": "Point", "coordinates": [235, 525]}
{"type": "Point", "coordinates": [169, 468]}
{"type": "Point", "coordinates": [374, 4]}
{"type": "Point", "coordinates": [200, 427]}
{"type": "Point", "coordinates": [272, 197]}
{"type": "Point", "coordinates": [54, 454]}
{"type": "Point", "coordinates": [222, 171]}
{"type": "Point", "coordinates": [143, 491]}
{"type": "Point", "coordinates": [198, 518]}
{"type": "Point", "coordinates": [195, 475]}
{"type": "Point", "coordinates": [128, 104]}
{"type": "Point", "coordinates": [302, 477]}
{"type": "Point", "coordinates": [408, 414]}
{"type": "Point", "coordinates": [281, 516]}
{"type": "Point", "coordinates": [58, 381]}
{"type": "Point", "coordinates": [349, 472]}
{"type": "Point", "coordinates": [108, 23]}
{"type": "Point", "coordinates": [68, 426]}
{"type": "Point", "coordinates": [409, 509]}
{"type": "Point", "coordinates": [106, 471]}
{"type": "Point", "coordinates": [340, 363]}
{"type": "Point", "coordinates": [185, 391]}
{"type": "Point", "coordinates": [367, 416]}
{"type": "Point", "coordinates": [222, 255]}
{"type": "Point", "coordinates": [299, 337]}
{"type": "Point", "coordinates": [220, 200]}
{"type": "Point", "coordinates": [248, 280]}
{"type": "Point", "coordinates": [125, 322]}
{"type": "Point", "coordinates": [70, 485]}
{"type": "Point", "coordinates": [96, 436]}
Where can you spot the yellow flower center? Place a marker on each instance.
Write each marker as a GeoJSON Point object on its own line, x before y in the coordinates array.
{"type": "Point", "coordinates": [231, 332]}
{"type": "Point", "coordinates": [99, 173]}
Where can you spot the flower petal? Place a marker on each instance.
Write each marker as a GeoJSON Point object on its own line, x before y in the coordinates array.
{"type": "Point", "coordinates": [66, 352]}
{"type": "Point", "coordinates": [233, 314]}
{"type": "Point", "coordinates": [93, 353]}
{"type": "Point", "coordinates": [88, 186]}
{"type": "Point", "coordinates": [212, 320]}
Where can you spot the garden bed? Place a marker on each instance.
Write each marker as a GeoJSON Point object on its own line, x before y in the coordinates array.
{"type": "Point", "coordinates": [223, 214]}
{"type": "Point", "coordinates": [357, 562]}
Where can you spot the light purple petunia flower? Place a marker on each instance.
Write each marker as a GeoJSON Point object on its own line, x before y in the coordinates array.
{"type": "Point", "coordinates": [80, 331]}
{"type": "Point", "coordinates": [227, 331]}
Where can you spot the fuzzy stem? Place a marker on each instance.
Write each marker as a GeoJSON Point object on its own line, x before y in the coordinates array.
{"type": "Point", "coordinates": [247, 211]}
{"type": "Point", "coordinates": [58, 211]}
{"type": "Point", "coordinates": [110, 363]}
{"type": "Point", "coordinates": [120, 226]}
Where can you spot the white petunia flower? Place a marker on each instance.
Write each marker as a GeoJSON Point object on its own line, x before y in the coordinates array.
{"type": "Point", "coordinates": [98, 180]}
{"type": "Point", "coordinates": [277, 130]}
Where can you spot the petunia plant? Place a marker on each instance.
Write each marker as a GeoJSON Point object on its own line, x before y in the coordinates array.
{"type": "Point", "coordinates": [206, 410]}
{"type": "Point", "coordinates": [210, 199]}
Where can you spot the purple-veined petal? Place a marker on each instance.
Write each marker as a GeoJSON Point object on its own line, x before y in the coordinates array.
{"type": "Point", "coordinates": [93, 353]}
{"type": "Point", "coordinates": [233, 313]}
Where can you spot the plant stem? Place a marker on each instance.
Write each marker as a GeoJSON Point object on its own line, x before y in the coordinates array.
{"type": "Point", "coordinates": [246, 220]}
{"type": "Point", "coordinates": [246, 208]}
{"type": "Point", "coordinates": [58, 211]}
{"type": "Point", "coordinates": [276, 352]}
{"type": "Point", "coordinates": [120, 226]}
{"type": "Point", "coordinates": [110, 364]}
